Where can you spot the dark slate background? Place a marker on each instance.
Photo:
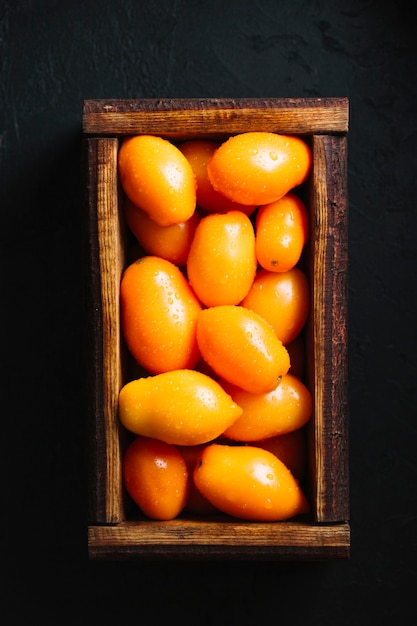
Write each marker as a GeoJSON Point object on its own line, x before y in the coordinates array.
{"type": "Point", "coordinates": [54, 54]}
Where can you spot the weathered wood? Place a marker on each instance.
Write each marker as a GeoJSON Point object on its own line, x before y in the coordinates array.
{"type": "Point", "coordinates": [107, 261]}
{"type": "Point", "coordinates": [327, 329]}
{"type": "Point", "coordinates": [184, 118]}
{"type": "Point", "coordinates": [219, 539]}
{"type": "Point", "coordinates": [113, 533]}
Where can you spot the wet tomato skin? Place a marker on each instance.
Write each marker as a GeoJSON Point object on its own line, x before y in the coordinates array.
{"type": "Point", "coordinates": [281, 233]}
{"type": "Point", "coordinates": [259, 167]}
{"type": "Point", "coordinates": [168, 242]}
{"type": "Point", "coordinates": [198, 153]}
{"type": "Point", "coordinates": [291, 449]}
{"type": "Point", "coordinates": [221, 264]}
{"type": "Point", "coordinates": [182, 407]}
{"type": "Point", "coordinates": [157, 178]}
{"type": "Point", "coordinates": [286, 408]}
{"type": "Point", "coordinates": [156, 478]}
{"type": "Point", "coordinates": [281, 298]}
{"type": "Point", "coordinates": [241, 347]}
{"type": "Point", "coordinates": [159, 314]}
{"type": "Point", "coordinates": [248, 482]}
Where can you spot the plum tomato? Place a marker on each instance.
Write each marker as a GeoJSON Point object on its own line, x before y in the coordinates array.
{"type": "Point", "coordinates": [159, 313]}
{"type": "Point", "coordinates": [156, 478]}
{"type": "Point", "coordinates": [259, 167]}
{"type": "Point", "coordinates": [221, 264]}
{"type": "Point", "coordinates": [157, 177]}
{"type": "Point", "coordinates": [241, 347]}
{"type": "Point", "coordinates": [291, 449]}
{"type": "Point", "coordinates": [281, 233]}
{"type": "Point", "coordinates": [282, 299]}
{"type": "Point", "coordinates": [286, 408]}
{"type": "Point", "coordinates": [198, 153]}
{"type": "Point", "coordinates": [168, 242]}
{"type": "Point", "coordinates": [297, 351]}
{"type": "Point", "coordinates": [248, 482]}
{"type": "Point", "coordinates": [196, 502]}
{"type": "Point", "coordinates": [182, 407]}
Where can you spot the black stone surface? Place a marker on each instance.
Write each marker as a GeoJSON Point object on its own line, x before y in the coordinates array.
{"type": "Point", "coordinates": [56, 53]}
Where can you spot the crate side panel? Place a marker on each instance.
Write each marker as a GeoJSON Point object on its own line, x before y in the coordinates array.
{"type": "Point", "coordinates": [107, 260]}
{"type": "Point", "coordinates": [328, 330]}
{"type": "Point", "coordinates": [93, 343]}
{"type": "Point", "coordinates": [228, 539]}
{"type": "Point", "coordinates": [183, 118]}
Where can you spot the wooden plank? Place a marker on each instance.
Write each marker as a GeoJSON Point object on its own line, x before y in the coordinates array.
{"type": "Point", "coordinates": [111, 536]}
{"type": "Point", "coordinates": [327, 331]}
{"type": "Point", "coordinates": [106, 261]}
{"type": "Point", "coordinates": [219, 539]}
{"type": "Point", "coordinates": [183, 118]}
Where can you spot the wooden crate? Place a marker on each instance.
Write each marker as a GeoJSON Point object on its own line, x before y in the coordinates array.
{"type": "Point", "coordinates": [115, 531]}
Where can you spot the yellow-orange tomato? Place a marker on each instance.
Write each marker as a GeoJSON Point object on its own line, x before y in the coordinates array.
{"type": "Point", "coordinates": [241, 347]}
{"type": "Point", "coordinates": [259, 167]}
{"type": "Point", "coordinates": [156, 478]}
{"type": "Point", "coordinates": [297, 351]}
{"type": "Point", "coordinates": [249, 482]}
{"type": "Point", "coordinates": [157, 178]}
{"type": "Point", "coordinates": [281, 233]}
{"type": "Point", "coordinates": [221, 264]}
{"type": "Point", "coordinates": [284, 409]}
{"type": "Point", "coordinates": [291, 449]}
{"type": "Point", "coordinates": [198, 153]}
{"type": "Point", "coordinates": [159, 314]}
{"type": "Point", "coordinates": [183, 407]}
{"type": "Point", "coordinates": [168, 242]}
{"type": "Point", "coordinates": [196, 502]}
{"type": "Point", "coordinates": [283, 299]}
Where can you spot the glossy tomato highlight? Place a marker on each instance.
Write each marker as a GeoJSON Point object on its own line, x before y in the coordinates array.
{"type": "Point", "coordinates": [198, 153]}
{"type": "Point", "coordinates": [156, 478]}
{"type": "Point", "coordinates": [171, 242]}
{"type": "Point", "coordinates": [241, 347]}
{"type": "Point", "coordinates": [249, 482]}
{"type": "Point", "coordinates": [221, 264]}
{"type": "Point", "coordinates": [286, 408]}
{"type": "Point", "coordinates": [157, 178]}
{"type": "Point", "coordinates": [259, 167]}
{"type": "Point", "coordinates": [159, 314]}
{"type": "Point", "coordinates": [281, 298]}
{"type": "Point", "coordinates": [281, 233]}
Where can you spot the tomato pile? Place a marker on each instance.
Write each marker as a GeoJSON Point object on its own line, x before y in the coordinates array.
{"type": "Point", "coordinates": [213, 305]}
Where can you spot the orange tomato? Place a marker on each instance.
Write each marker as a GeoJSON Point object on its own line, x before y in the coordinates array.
{"type": "Point", "coordinates": [297, 351]}
{"type": "Point", "coordinates": [156, 478]}
{"type": "Point", "coordinates": [157, 178]}
{"type": "Point", "coordinates": [284, 409]}
{"type": "Point", "coordinates": [241, 347]}
{"type": "Point", "coordinates": [281, 233]}
{"type": "Point", "coordinates": [259, 167]}
{"type": "Point", "coordinates": [182, 407]}
{"type": "Point", "coordinates": [248, 482]}
{"type": "Point", "coordinates": [159, 314]}
{"type": "Point", "coordinates": [196, 502]}
{"type": "Point", "coordinates": [168, 242]}
{"type": "Point", "coordinates": [282, 299]}
{"type": "Point", "coordinates": [221, 264]}
{"type": "Point", "coordinates": [198, 153]}
{"type": "Point", "coordinates": [291, 449]}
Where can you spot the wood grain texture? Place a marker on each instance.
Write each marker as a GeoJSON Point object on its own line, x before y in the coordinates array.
{"type": "Point", "coordinates": [325, 535]}
{"type": "Point", "coordinates": [327, 329]}
{"type": "Point", "coordinates": [107, 261]}
{"type": "Point", "coordinates": [219, 539]}
{"type": "Point", "coordinates": [183, 118]}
